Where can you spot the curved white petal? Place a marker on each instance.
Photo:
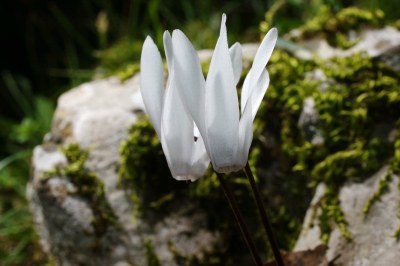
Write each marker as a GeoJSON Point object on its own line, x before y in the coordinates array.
{"type": "Point", "coordinates": [168, 50]}
{"type": "Point", "coordinates": [260, 61]}
{"type": "Point", "coordinates": [177, 132]}
{"type": "Point", "coordinates": [222, 108]}
{"type": "Point", "coordinates": [263, 54]}
{"type": "Point", "coordinates": [199, 162]}
{"type": "Point", "coordinates": [245, 134]}
{"type": "Point", "coordinates": [245, 92]}
{"type": "Point", "coordinates": [248, 114]}
{"type": "Point", "coordinates": [200, 159]}
{"type": "Point", "coordinates": [169, 55]}
{"type": "Point", "coordinates": [235, 53]}
{"type": "Point", "coordinates": [189, 78]}
{"type": "Point", "coordinates": [258, 92]}
{"type": "Point", "coordinates": [151, 82]}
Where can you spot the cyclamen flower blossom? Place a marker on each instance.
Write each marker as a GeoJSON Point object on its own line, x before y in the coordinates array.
{"type": "Point", "coordinates": [213, 103]}
{"type": "Point", "coordinates": [183, 148]}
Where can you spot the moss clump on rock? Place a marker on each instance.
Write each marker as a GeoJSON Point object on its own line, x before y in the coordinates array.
{"type": "Point", "coordinates": [357, 102]}
{"type": "Point", "coordinates": [151, 256]}
{"type": "Point", "coordinates": [145, 175]}
{"type": "Point", "coordinates": [335, 26]}
{"type": "Point", "coordinates": [357, 114]}
{"type": "Point", "coordinates": [88, 186]}
{"type": "Point", "coordinates": [144, 170]}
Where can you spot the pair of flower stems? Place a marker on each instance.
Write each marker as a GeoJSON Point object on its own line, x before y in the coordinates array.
{"type": "Point", "coordinates": [242, 225]}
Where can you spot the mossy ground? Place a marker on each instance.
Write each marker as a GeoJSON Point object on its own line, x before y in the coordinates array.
{"type": "Point", "coordinates": [357, 112]}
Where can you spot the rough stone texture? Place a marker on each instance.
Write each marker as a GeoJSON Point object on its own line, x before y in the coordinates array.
{"type": "Point", "coordinates": [372, 41]}
{"type": "Point", "coordinates": [372, 235]}
{"type": "Point", "coordinates": [308, 122]}
{"type": "Point", "coordinates": [97, 116]}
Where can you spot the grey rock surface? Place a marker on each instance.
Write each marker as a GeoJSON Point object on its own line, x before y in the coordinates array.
{"type": "Point", "coordinates": [372, 240]}
{"type": "Point", "coordinates": [374, 42]}
{"type": "Point", "coordinates": [97, 116]}
{"type": "Point", "coordinates": [309, 122]}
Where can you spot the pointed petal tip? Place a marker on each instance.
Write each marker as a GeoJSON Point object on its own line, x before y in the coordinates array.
{"type": "Point", "coordinates": [223, 24]}
{"type": "Point", "coordinates": [149, 49]}
{"type": "Point", "coordinates": [167, 38]}
{"type": "Point", "coordinates": [166, 34]}
{"type": "Point", "coordinates": [148, 40]}
{"type": "Point", "coordinates": [177, 32]}
{"type": "Point", "coordinates": [179, 36]}
{"type": "Point", "coordinates": [236, 44]}
{"type": "Point", "coordinates": [273, 34]}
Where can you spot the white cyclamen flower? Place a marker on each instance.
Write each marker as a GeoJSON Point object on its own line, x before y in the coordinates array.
{"type": "Point", "coordinates": [213, 103]}
{"type": "Point", "coordinates": [183, 148]}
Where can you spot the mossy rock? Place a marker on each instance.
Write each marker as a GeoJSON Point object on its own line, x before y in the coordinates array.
{"type": "Point", "coordinates": [363, 95]}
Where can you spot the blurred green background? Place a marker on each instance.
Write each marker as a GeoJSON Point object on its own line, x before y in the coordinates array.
{"type": "Point", "coordinates": [49, 47]}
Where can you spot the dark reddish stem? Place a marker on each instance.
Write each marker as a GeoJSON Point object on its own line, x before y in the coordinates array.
{"type": "Point", "coordinates": [264, 217]}
{"type": "Point", "coordinates": [239, 219]}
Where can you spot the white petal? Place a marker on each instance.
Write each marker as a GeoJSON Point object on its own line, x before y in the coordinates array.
{"type": "Point", "coordinates": [222, 108]}
{"type": "Point", "coordinates": [235, 53]}
{"type": "Point", "coordinates": [151, 82]}
{"type": "Point", "coordinates": [196, 131]}
{"type": "Point", "coordinates": [248, 114]}
{"type": "Point", "coordinates": [177, 132]}
{"type": "Point", "coordinates": [258, 93]}
{"type": "Point", "coordinates": [260, 61]}
{"type": "Point", "coordinates": [245, 134]}
{"type": "Point", "coordinates": [189, 78]}
{"type": "Point", "coordinates": [200, 159]}
{"type": "Point", "coordinates": [245, 91]}
{"type": "Point", "coordinates": [263, 54]}
{"type": "Point", "coordinates": [168, 50]}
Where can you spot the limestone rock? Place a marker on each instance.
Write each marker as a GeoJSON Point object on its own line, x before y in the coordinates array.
{"type": "Point", "coordinates": [374, 42]}
{"type": "Point", "coordinates": [97, 115]}
{"type": "Point", "coordinates": [372, 236]}
{"type": "Point", "coordinates": [308, 122]}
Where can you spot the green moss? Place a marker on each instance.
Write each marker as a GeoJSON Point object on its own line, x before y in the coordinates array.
{"type": "Point", "coordinates": [332, 213]}
{"type": "Point", "coordinates": [362, 96]}
{"type": "Point", "coordinates": [88, 186]}
{"type": "Point", "coordinates": [146, 177]}
{"type": "Point", "coordinates": [270, 14]}
{"type": "Point", "coordinates": [358, 97]}
{"type": "Point", "coordinates": [151, 256]}
{"type": "Point", "coordinates": [335, 26]}
{"type": "Point", "coordinates": [143, 169]}
{"type": "Point", "coordinates": [397, 233]}
{"type": "Point", "coordinates": [118, 59]}
{"type": "Point", "coordinates": [127, 72]}
{"type": "Point", "coordinates": [382, 188]}
{"type": "Point", "coordinates": [365, 96]}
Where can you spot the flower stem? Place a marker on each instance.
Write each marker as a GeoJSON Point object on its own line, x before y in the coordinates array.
{"type": "Point", "coordinates": [239, 219]}
{"type": "Point", "coordinates": [264, 217]}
